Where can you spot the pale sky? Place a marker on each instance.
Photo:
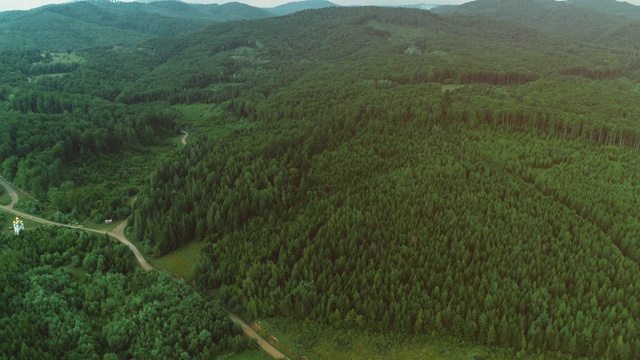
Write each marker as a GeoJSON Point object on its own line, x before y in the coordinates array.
{"type": "Point", "coordinates": [30, 4]}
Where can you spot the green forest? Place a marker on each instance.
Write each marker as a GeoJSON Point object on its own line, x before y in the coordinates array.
{"type": "Point", "coordinates": [72, 295]}
{"type": "Point", "coordinates": [458, 174]}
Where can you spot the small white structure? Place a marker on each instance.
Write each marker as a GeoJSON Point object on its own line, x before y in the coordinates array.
{"type": "Point", "coordinates": [17, 226]}
{"type": "Point", "coordinates": [108, 221]}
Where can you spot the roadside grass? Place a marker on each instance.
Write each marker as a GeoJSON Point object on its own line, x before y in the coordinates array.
{"type": "Point", "coordinates": [6, 223]}
{"type": "Point", "coordinates": [182, 261]}
{"type": "Point", "coordinates": [248, 355]}
{"type": "Point", "coordinates": [5, 199]}
{"type": "Point", "coordinates": [28, 224]}
{"type": "Point", "coordinates": [317, 341]}
{"type": "Point", "coordinates": [102, 226]}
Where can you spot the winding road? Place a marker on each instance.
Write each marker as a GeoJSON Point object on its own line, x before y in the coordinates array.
{"type": "Point", "coordinates": [184, 138]}
{"type": "Point", "coordinates": [119, 234]}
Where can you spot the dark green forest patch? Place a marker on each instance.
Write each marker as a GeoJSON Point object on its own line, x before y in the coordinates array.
{"type": "Point", "coordinates": [71, 294]}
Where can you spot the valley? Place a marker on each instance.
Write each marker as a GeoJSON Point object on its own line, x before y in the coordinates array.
{"type": "Point", "coordinates": [367, 182]}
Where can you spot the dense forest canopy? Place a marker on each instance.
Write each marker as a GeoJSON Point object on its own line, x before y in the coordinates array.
{"type": "Point", "coordinates": [409, 172]}
{"type": "Point", "coordinates": [396, 170]}
{"type": "Point", "coordinates": [605, 22]}
{"type": "Point", "coordinates": [73, 295]}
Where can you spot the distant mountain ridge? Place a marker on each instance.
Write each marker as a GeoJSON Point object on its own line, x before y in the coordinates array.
{"type": "Point", "coordinates": [93, 23]}
{"type": "Point", "coordinates": [605, 22]}
{"type": "Point", "coordinates": [292, 7]}
{"type": "Point", "coordinates": [613, 7]}
{"type": "Point", "coordinates": [85, 24]}
{"type": "Point", "coordinates": [103, 23]}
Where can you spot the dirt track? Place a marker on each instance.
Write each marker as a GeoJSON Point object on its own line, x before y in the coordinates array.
{"type": "Point", "coordinates": [184, 138]}
{"type": "Point", "coordinates": [119, 234]}
{"type": "Point", "coordinates": [252, 334]}
{"type": "Point", "coordinates": [11, 192]}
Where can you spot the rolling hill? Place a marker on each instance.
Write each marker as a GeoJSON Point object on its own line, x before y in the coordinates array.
{"type": "Point", "coordinates": [296, 6]}
{"type": "Point", "coordinates": [467, 174]}
{"type": "Point", "coordinates": [587, 21]}
{"type": "Point", "coordinates": [83, 25]}
{"type": "Point", "coordinates": [369, 167]}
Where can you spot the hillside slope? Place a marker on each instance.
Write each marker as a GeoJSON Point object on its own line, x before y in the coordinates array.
{"type": "Point", "coordinates": [84, 25]}
{"type": "Point", "coordinates": [394, 170]}
{"type": "Point", "coordinates": [579, 20]}
{"type": "Point", "coordinates": [292, 7]}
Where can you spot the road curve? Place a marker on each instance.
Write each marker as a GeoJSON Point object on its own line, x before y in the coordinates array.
{"type": "Point", "coordinates": [11, 191]}
{"type": "Point", "coordinates": [119, 234]}
{"type": "Point", "coordinates": [184, 138]}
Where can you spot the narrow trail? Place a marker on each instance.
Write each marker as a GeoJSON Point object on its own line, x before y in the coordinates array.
{"type": "Point", "coordinates": [254, 335]}
{"type": "Point", "coordinates": [118, 233]}
{"type": "Point", "coordinates": [11, 191]}
{"type": "Point", "coordinates": [184, 138]}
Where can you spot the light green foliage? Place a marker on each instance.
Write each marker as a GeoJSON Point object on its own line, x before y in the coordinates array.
{"type": "Point", "coordinates": [182, 261]}
{"type": "Point", "coordinates": [114, 310]}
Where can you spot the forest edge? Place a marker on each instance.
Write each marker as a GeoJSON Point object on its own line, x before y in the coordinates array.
{"type": "Point", "coordinates": [119, 234]}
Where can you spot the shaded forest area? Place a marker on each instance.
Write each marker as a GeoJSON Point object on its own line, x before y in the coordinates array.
{"type": "Point", "coordinates": [69, 294]}
{"type": "Point", "coordinates": [351, 188]}
{"type": "Point", "coordinates": [67, 143]}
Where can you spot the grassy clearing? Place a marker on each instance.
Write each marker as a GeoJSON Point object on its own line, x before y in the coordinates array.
{"type": "Point", "coordinates": [102, 226]}
{"type": "Point", "coordinates": [211, 120]}
{"type": "Point", "coordinates": [323, 342]}
{"type": "Point", "coordinates": [6, 223]}
{"type": "Point", "coordinates": [248, 355]}
{"type": "Point", "coordinates": [451, 87]}
{"type": "Point", "coordinates": [77, 272]}
{"type": "Point", "coordinates": [176, 141]}
{"type": "Point", "coordinates": [5, 199]}
{"type": "Point", "coordinates": [63, 57]}
{"type": "Point", "coordinates": [182, 261]}
{"type": "Point", "coordinates": [38, 77]}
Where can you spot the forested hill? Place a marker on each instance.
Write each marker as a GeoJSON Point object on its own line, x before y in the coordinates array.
{"type": "Point", "coordinates": [296, 6]}
{"type": "Point", "coordinates": [82, 25]}
{"type": "Point", "coordinates": [392, 46]}
{"type": "Point", "coordinates": [379, 169]}
{"type": "Point", "coordinates": [395, 170]}
{"type": "Point", "coordinates": [620, 8]}
{"type": "Point", "coordinates": [595, 21]}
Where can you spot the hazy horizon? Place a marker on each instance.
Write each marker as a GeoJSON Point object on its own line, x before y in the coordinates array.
{"type": "Point", "coordinates": [8, 5]}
